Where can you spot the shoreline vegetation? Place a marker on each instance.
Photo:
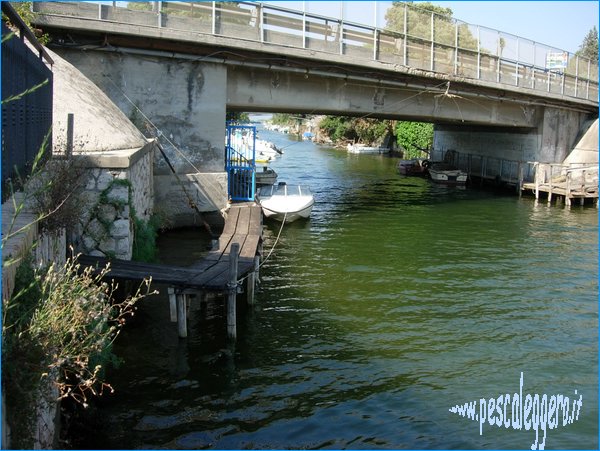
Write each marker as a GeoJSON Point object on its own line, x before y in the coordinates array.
{"type": "Point", "coordinates": [404, 138]}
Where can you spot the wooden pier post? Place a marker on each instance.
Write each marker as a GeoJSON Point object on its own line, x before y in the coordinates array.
{"type": "Point", "coordinates": [252, 280]}
{"type": "Point", "coordinates": [182, 315]}
{"type": "Point", "coordinates": [232, 291]}
{"type": "Point", "coordinates": [172, 304]}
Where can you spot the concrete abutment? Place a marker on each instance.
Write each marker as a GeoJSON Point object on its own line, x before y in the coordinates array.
{"type": "Point", "coordinates": [183, 104]}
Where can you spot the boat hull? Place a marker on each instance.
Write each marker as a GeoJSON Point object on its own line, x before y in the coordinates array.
{"type": "Point", "coordinates": [288, 216]}
{"type": "Point", "coordinates": [362, 149]}
{"type": "Point", "coordinates": [284, 202]}
{"type": "Point", "coordinates": [266, 177]}
{"type": "Point", "coordinates": [413, 167]}
{"type": "Point", "coordinates": [449, 177]}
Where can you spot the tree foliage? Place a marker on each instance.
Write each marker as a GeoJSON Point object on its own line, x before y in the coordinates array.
{"type": "Point", "coordinates": [372, 131]}
{"type": "Point", "coordinates": [23, 9]}
{"type": "Point", "coordinates": [234, 116]}
{"type": "Point", "coordinates": [338, 128]}
{"type": "Point", "coordinates": [414, 136]}
{"type": "Point", "coordinates": [589, 46]}
{"type": "Point", "coordinates": [363, 130]}
{"type": "Point", "coordinates": [418, 23]}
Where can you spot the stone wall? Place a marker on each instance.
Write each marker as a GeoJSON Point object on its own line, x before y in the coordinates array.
{"type": "Point", "coordinates": [47, 249]}
{"type": "Point", "coordinates": [119, 189]}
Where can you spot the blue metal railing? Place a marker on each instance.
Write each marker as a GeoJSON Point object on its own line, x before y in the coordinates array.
{"type": "Point", "coordinates": [240, 162]}
{"type": "Point", "coordinates": [26, 109]}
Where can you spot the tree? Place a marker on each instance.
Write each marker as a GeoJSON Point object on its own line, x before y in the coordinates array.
{"type": "Point", "coordinates": [418, 24]}
{"type": "Point", "coordinates": [338, 127]}
{"type": "Point", "coordinates": [589, 46]}
{"type": "Point", "coordinates": [414, 136]}
{"type": "Point", "coordinates": [237, 117]}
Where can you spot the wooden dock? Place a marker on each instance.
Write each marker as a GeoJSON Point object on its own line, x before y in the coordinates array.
{"type": "Point", "coordinates": [236, 259]}
{"type": "Point", "coordinates": [565, 181]}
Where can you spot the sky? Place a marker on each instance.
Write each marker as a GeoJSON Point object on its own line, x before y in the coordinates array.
{"type": "Point", "coordinates": [559, 24]}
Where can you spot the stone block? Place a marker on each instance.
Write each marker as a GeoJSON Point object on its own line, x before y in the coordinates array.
{"type": "Point", "coordinates": [108, 244]}
{"type": "Point", "coordinates": [121, 228]}
{"type": "Point", "coordinates": [96, 230]}
{"type": "Point", "coordinates": [89, 243]}
{"type": "Point", "coordinates": [118, 194]}
{"type": "Point", "coordinates": [107, 213]}
{"type": "Point", "coordinates": [123, 246]}
{"type": "Point", "coordinates": [91, 181]}
{"type": "Point", "coordinates": [104, 180]}
{"type": "Point", "coordinates": [124, 212]}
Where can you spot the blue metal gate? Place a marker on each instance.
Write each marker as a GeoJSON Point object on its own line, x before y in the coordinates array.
{"type": "Point", "coordinates": [240, 162]}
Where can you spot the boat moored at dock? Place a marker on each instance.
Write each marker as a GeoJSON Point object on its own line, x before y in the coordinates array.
{"type": "Point", "coordinates": [284, 202]}
{"type": "Point", "coordinates": [448, 174]}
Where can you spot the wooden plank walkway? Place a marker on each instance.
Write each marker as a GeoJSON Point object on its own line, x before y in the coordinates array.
{"type": "Point", "coordinates": [243, 225]}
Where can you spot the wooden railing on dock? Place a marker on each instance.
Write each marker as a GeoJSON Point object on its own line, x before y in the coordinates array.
{"type": "Point", "coordinates": [237, 254]}
{"type": "Point", "coordinates": [575, 181]}
{"type": "Point", "coordinates": [570, 181]}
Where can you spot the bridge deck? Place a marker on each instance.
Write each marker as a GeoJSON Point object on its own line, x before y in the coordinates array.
{"type": "Point", "coordinates": [243, 225]}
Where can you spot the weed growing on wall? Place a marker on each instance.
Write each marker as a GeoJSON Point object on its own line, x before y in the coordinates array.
{"type": "Point", "coordinates": [60, 325]}
{"type": "Point", "coordinates": [144, 241]}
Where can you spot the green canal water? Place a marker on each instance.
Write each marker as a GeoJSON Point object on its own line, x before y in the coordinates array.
{"type": "Point", "coordinates": [396, 301]}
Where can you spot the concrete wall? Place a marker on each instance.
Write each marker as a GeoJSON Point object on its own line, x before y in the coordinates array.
{"type": "Point", "coordinates": [549, 142]}
{"type": "Point", "coordinates": [186, 105]}
{"type": "Point", "coordinates": [586, 149]}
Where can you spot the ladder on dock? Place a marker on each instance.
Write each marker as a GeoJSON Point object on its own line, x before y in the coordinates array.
{"type": "Point", "coordinates": [236, 259]}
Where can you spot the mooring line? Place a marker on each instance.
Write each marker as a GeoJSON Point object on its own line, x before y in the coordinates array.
{"type": "Point", "coordinates": [270, 252]}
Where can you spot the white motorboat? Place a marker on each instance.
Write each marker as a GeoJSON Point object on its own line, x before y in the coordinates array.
{"type": "Point", "coordinates": [265, 151]}
{"type": "Point", "coordinates": [446, 173]}
{"type": "Point", "coordinates": [363, 148]}
{"type": "Point", "coordinates": [284, 202]}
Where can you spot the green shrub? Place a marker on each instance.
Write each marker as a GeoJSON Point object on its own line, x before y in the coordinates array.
{"type": "Point", "coordinates": [144, 239]}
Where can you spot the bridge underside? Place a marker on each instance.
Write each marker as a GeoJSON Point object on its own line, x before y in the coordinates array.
{"type": "Point", "coordinates": [272, 90]}
{"type": "Point", "coordinates": [186, 96]}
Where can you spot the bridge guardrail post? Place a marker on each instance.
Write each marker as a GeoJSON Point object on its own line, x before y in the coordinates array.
{"type": "Point", "coordinates": [576, 75]}
{"type": "Point", "coordinates": [431, 57]}
{"type": "Point", "coordinates": [478, 53]}
{"type": "Point", "coordinates": [261, 22]}
{"type": "Point", "coordinates": [214, 18]}
{"type": "Point", "coordinates": [159, 14]}
{"type": "Point", "coordinates": [405, 56]}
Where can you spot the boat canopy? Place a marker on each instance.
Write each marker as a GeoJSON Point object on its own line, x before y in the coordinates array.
{"type": "Point", "coordinates": [283, 189]}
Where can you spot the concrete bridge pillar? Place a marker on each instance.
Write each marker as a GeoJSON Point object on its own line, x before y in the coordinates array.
{"type": "Point", "coordinates": [183, 103]}
{"type": "Point", "coordinates": [550, 141]}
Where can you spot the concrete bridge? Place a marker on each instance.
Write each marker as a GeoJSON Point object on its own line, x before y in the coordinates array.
{"type": "Point", "coordinates": [181, 66]}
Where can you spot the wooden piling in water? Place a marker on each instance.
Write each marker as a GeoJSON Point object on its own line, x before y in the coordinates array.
{"type": "Point", "coordinates": [181, 315]}
{"type": "Point", "coordinates": [251, 281]}
{"type": "Point", "coordinates": [172, 304]}
{"type": "Point", "coordinates": [232, 291]}
{"type": "Point", "coordinates": [237, 256]}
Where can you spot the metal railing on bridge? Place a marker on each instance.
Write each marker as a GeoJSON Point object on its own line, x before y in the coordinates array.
{"type": "Point", "coordinates": [427, 41]}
